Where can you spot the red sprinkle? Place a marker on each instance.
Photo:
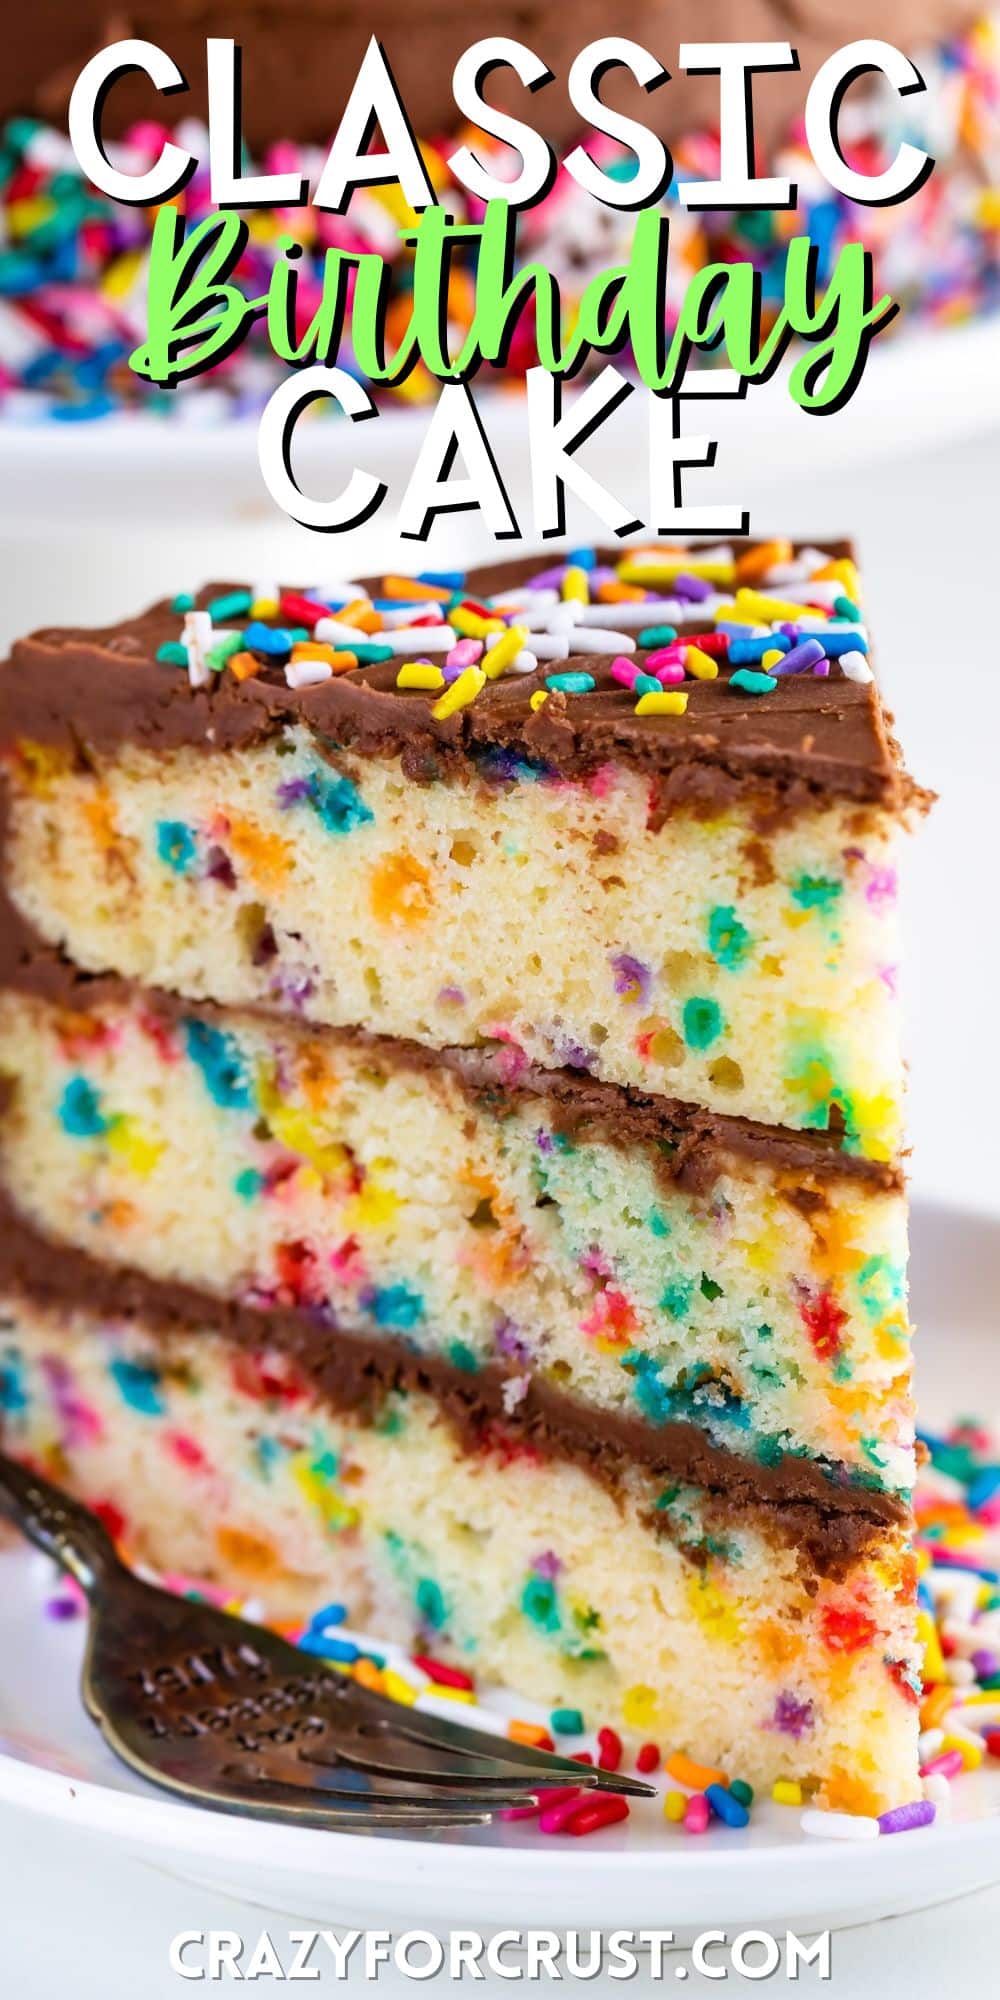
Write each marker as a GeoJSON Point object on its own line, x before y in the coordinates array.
{"type": "Point", "coordinates": [609, 1745]}
{"type": "Point", "coordinates": [590, 1818]}
{"type": "Point", "coordinates": [648, 1757]}
{"type": "Point", "coordinates": [545, 1803]}
{"type": "Point", "coordinates": [556, 1817]}
{"type": "Point", "coordinates": [583, 1757]}
{"type": "Point", "coordinates": [716, 644]}
{"type": "Point", "coordinates": [449, 1677]}
{"type": "Point", "coordinates": [991, 1738]}
{"type": "Point", "coordinates": [301, 609]}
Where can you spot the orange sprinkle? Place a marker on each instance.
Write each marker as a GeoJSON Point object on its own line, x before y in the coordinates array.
{"type": "Point", "coordinates": [243, 665]}
{"type": "Point", "coordinates": [936, 1704]}
{"type": "Point", "coordinates": [530, 1733]}
{"type": "Point", "coordinates": [694, 1776]}
{"type": "Point", "coordinates": [313, 649]}
{"type": "Point", "coordinates": [368, 1675]}
{"type": "Point", "coordinates": [407, 588]}
{"type": "Point", "coordinates": [362, 615]}
{"type": "Point", "coordinates": [756, 562]}
{"type": "Point", "coordinates": [620, 593]}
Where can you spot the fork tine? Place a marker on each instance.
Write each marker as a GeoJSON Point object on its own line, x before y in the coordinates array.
{"type": "Point", "coordinates": [511, 1760]}
{"type": "Point", "coordinates": [318, 1805]}
{"type": "Point", "coordinates": [470, 1799]}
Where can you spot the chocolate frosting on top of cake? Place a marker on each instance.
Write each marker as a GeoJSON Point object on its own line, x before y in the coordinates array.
{"type": "Point", "coordinates": [811, 739]}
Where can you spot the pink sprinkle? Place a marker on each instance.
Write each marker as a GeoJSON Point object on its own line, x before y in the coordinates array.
{"type": "Point", "coordinates": [948, 1765]}
{"type": "Point", "coordinates": [624, 671]}
{"type": "Point", "coordinates": [594, 1814]}
{"type": "Point", "coordinates": [665, 656]}
{"type": "Point", "coordinates": [556, 1816]}
{"type": "Point", "coordinates": [698, 1814]}
{"type": "Point", "coordinates": [670, 675]}
{"type": "Point", "coordinates": [464, 654]}
{"type": "Point", "coordinates": [545, 1803]}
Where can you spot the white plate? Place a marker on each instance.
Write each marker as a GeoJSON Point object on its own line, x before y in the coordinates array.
{"type": "Point", "coordinates": [645, 1874]}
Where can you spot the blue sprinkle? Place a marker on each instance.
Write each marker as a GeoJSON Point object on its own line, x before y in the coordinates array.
{"type": "Point", "coordinates": [744, 652]}
{"type": "Point", "coordinates": [327, 1615]}
{"type": "Point", "coordinates": [176, 846]}
{"type": "Point", "coordinates": [80, 1111]}
{"type": "Point", "coordinates": [139, 1385]}
{"type": "Point", "coordinates": [837, 643]}
{"type": "Point", "coordinates": [331, 1649]}
{"type": "Point", "coordinates": [218, 1057]}
{"type": "Point", "coordinates": [983, 1487]}
{"type": "Point", "coordinates": [582, 559]}
{"type": "Point", "coordinates": [443, 579]}
{"type": "Point", "coordinates": [393, 1305]}
{"type": "Point", "coordinates": [270, 640]}
{"type": "Point", "coordinates": [338, 804]}
{"type": "Point", "coordinates": [725, 1807]}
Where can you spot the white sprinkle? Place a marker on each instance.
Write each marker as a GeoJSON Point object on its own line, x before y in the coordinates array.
{"type": "Point", "coordinates": [654, 611]}
{"type": "Point", "coordinates": [197, 635]}
{"type": "Point", "coordinates": [524, 662]}
{"type": "Point", "coordinates": [790, 572]}
{"type": "Point", "coordinates": [330, 632]}
{"type": "Point", "coordinates": [961, 1673]}
{"type": "Point", "coordinates": [264, 593]}
{"type": "Point", "coordinates": [964, 1636]}
{"type": "Point", "coordinates": [855, 667]}
{"type": "Point", "coordinates": [938, 1790]}
{"type": "Point", "coordinates": [549, 645]}
{"type": "Point", "coordinates": [339, 594]}
{"type": "Point", "coordinates": [414, 1676]}
{"type": "Point", "coordinates": [563, 616]}
{"type": "Point", "coordinates": [404, 616]}
{"type": "Point", "coordinates": [838, 1825]}
{"type": "Point", "coordinates": [418, 639]}
{"type": "Point", "coordinates": [929, 1744]}
{"type": "Point", "coordinates": [981, 1714]}
{"type": "Point", "coordinates": [307, 673]}
{"type": "Point", "coordinates": [458, 1711]}
{"type": "Point", "coordinates": [586, 640]}
{"type": "Point", "coordinates": [523, 600]}
{"type": "Point", "coordinates": [815, 593]}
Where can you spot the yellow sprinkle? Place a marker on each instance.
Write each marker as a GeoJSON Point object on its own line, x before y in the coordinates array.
{"type": "Point", "coordinates": [461, 692]}
{"type": "Point", "coordinates": [471, 625]}
{"type": "Point", "coordinates": [843, 571]}
{"type": "Point", "coordinates": [700, 664]}
{"type": "Point", "coordinates": [442, 1693]}
{"type": "Point", "coordinates": [675, 1805]}
{"type": "Point", "coordinates": [368, 1675]}
{"type": "Point", "coordinates": [771, 659]}
{"type": "Point", "coordinates": [638, 1707]}
{"type": "Point", "coordinates": [536, 700]}
{"type": "Point", "coordinates": [662, 566]}
{"type": "Point", "coordinates": [418, 675]}
{"type": "Point", "coordinates": [768, 610]}
{"type": "Point", "coordinates": [575, 585]}
{"type": "Point", "coordinates": [661, 704]}
{"type": "Point", "coordinates": [786, 1792]}
{"type": "Point", "coordinates": [264, 607]}
{"type": "Point", "coordinates": [397, 1688]}
{"type": "Point", "coordinates": [504, 651]}
{"type": "Point", "coordinates": [970, 1753]}
{"type": "Point", "coordinates": [927, 1637]}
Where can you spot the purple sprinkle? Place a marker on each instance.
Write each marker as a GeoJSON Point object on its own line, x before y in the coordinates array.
{"type": "Point", "coordinates": [265, 948]}
{"type": "Point", "coordinates": [792, 1716]}
{"type": "Point", "coordinates": [545, 1142]}
{"type": "Point", "coordinates": [548, 579]}
{"type": "Point", "coordinates": [219, 868]}
{"type": "Point", "coordinates": [632, 977]}
{"type": "Point", "coordinates": [693, 588]}
{"type": "Point", "coordinates": [548, 1564]}
{"type": "Point", "coordinates": [807, 654]}
{"type": "Point", "coordinates": [450, 672]}
{"type": "Point", "coordinates": [508, 1341]}
{"type": "Point", "coordinates": [822, 668]}
{"type": "Point", "coordinates": [573, 1055]}
{"type": "Point", "coordinates": [986, 1663]}
{"type": "Point", "coordinates": [452, 995]}
{"type": "Point", "coordinates": [901, 1819]}
{"type": "Point", "coordinates": [62, 1608]}
{"type": "Point", "coordinates": [294, 789]}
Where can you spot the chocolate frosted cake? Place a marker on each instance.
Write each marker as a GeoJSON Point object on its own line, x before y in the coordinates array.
{"type": "Point", "coordinates": [450, 1146]}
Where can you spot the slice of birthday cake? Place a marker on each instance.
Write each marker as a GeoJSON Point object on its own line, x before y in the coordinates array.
{"type": "Point", "coordinates": [451, 1125]}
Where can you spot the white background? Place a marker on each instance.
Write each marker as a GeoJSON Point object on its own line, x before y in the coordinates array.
{"type": "Point", "coordinates": [912, 471]}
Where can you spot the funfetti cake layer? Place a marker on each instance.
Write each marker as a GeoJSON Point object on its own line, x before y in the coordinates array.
{"type": "Point", "coordinates": [683, 883]}
{"type": "Point", "coordinates": [649, 1261]}
{"type": "Point", "coordinates": [768, 1640]}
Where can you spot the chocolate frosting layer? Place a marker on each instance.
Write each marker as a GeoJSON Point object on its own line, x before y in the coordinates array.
{"type": "Point", "coordinates": [808, 741]}
{"type": "Point", "coordinates": [691, 1146]}
{"type": "Point", "coordinates": [828, 1519]}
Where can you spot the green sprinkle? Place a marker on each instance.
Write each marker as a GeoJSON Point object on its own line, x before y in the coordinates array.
{"type": "Point", "coordinates": [751, 683]}
{"type": "Point", "coordinates": [367, 655]}
{"type": "Point", "coordinates": [566, 1722]}
{"type": "Point", "coordinates": [573, 683]}
{"type": "Point", "coordinates": [430, 1603]}
{"type": "Point", "coordinates": [184, 601]}
{"type": "Point", "coordinates": [646, 684]}
{"type": "Point", "coordinates": [739, 1789]}
{"type": "Point", "coordinates": [657, 635]}
{"type": "Point", "coordinates": [235, 604]}
{"type": "Point", "coordinates": [817, 892]}
{"type": "Point", "coordinates": [217, 656]}
{"type": "Point", "coordinates": [709, 1288]}
{"type": "Point", "coordinates": [172, 654]}
{"type": "Point", "coordinates": [845, 607]}
{"type": "Point", "coordinates": [728, 940]}
{"type": "Point", "coordinates": [703, 1023]}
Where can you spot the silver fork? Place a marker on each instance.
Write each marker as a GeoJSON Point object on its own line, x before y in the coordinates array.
{"type": "Point", "coordinates": [231, 1716]}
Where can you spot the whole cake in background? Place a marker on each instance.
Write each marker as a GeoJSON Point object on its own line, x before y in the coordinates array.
{"type": "Point", "coordinates": [72, 263]}
{"type": "Point", "coordinates": [452, 1124]}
